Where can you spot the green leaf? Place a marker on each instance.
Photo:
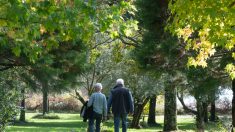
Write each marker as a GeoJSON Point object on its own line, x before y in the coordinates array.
{"type": "Point", "coordinates": [16, 51]}
{"type": "Point", "coordinates": [114, 34]}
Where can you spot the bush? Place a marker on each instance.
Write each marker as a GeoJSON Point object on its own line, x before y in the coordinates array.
{"type": "Point", "coordinates": [64, 103]}
{"type": "Point", "coordinates": [9, 98]}
{"type": "Point", "coordinates": [57, 103]}
{"type": "Point", "coordinates": [33, 101]}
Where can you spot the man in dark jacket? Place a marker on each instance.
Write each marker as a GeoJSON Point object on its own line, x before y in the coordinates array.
{"type": "Point", "coordinates": [121, 101]}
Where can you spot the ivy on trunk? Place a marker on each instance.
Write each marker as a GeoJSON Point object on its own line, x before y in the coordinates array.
{"type": "Point", "coordinates": [22, 105]}
{"type": "Point", "coordinates": [170, 112]}
{"type": "Point", "coordinates": [200, 124]}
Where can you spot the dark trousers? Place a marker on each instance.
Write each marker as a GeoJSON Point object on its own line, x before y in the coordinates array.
{"type": "Point", "coordinates": [95, 117]}
{"type": "Point", "coordinates": [123, 118]}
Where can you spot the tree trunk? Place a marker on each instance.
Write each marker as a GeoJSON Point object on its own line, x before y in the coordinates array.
{"type": "Point", "coordinates": [170, 111]}
{"type": "Point", "coordinates": [200, 116]}
{"type": "Point", "coordinates": [212, 111]}
{"type": "Point", "coordinates": [205, 112]}
{"type": "Point", "coordinates": [139, 107]}
{"type": "Point", "coordinates": [136, 116]}
{"type": "Point", "coordinates": [45, 100]}
{"type": "Point", "coordinates": [152, 111]}
{"type": "Point", "coordinates": [233, 103]}
{"type": "Point", "coordinates": [22, 105]}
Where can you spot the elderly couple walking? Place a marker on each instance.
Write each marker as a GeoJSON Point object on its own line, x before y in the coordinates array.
{"type": "Point", "coordinates": [120, 100]}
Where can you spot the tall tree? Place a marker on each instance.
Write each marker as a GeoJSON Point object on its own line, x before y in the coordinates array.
{"type": "Point", "coordinates": [158, 51]}
{"type": "Point", "coordinates": [212, 22]}
{"type": "Point", "coordinates": [203, 86]}
{"type": "Point", "coordinates": [58, 70]}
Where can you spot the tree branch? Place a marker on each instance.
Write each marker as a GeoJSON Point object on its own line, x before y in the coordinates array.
{"type": "Point", "coordinates": [232, 4]}
{"type": "Point", "coordinates": [184, 105]}
{"type": "Point", "coordinates": [106, 41]}
{"type": "Point", "coordinates": [128, 43]}
{"type": "Point", "coordinates": [5, 68]}
{"type": "Point", "coordinates": [132, 39]}
{"type": "Point", "coordinates": [11, 64]}
{"type": "Point", "coordinates": [79, 97]}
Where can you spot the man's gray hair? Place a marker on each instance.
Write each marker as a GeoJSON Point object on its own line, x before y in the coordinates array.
{"type": "Point", "coordinates": [98, 86]}
{"type": "Point", "coordinates": [120, 81]}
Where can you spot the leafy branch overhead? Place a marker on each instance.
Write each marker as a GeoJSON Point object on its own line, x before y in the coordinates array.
{"type": "Point", "coordinates": [206, 26]}
{"type": "Point", "coordinates": [32, 28]}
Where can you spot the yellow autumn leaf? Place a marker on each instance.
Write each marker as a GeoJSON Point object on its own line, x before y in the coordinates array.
{"type": "Point", "coordinates": [203, 63]}
{"type": "Point", "coordinates": [128, 32]}
{"type": "Point", "coordinates": [229, 46]}
{"type": "Point", "coordinates": [212, 52]}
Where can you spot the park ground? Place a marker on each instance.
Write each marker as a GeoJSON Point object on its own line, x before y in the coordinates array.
{"type": "Point", "coordinates": [74, 123]}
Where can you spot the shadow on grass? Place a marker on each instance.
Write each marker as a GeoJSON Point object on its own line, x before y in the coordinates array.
{"type": "Point", "coordinates": [67, 124]}
{"type": "Point", "coordinates": [186, 126]}
{"type": "Point", "coordinates": [49, 129]}
{"type": "Point", "coordinates": [146, 127]}
{"type": "Point", "coordinates": [181, 126]}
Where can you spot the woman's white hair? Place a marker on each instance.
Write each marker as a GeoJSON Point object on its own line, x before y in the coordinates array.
{"type": "Point", "coordinates": [98, 86]}
{"type": "Point", "coordinates": [120, 81]}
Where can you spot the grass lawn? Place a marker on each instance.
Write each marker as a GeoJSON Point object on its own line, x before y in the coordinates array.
{"type": "Point", "coordinates": [73, 123]}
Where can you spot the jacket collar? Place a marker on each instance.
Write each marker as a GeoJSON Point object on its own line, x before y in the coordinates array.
{"type": "Point", "coordinates": [118, 86]}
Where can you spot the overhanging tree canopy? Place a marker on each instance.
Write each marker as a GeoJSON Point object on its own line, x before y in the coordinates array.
{"type": "Point", "coordinates": [205, 26]}
{"type": "Point", "coordinates": [30, 28]}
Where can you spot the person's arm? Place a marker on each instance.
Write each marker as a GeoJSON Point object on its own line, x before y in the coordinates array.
{"type": "Point", "coordinates": [90, 101]}
{"type": "Point", "coordinates": [131, 103]}
{"type": "Point", "coordinates": [110, 101]}
{"type": "Point", "coordinates": [105, 106]}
